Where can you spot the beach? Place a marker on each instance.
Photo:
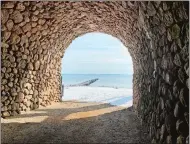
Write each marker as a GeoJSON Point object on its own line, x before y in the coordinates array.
{"type": "Point", "coordinates": [111, 95]}
{"type": "Point", "coordinates": [75, 122]}
{"type": "Point", "coordinates": [87, 114]}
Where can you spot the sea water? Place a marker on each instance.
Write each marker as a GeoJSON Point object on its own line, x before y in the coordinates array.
{"type": "Point", "coordinates": [115, 89]}
{"type": "Point", "coordinates": [104, 80]}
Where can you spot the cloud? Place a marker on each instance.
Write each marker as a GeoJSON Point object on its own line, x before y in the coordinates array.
{"type": "Point", "coordinates": [96, 52]}
{"type": "Point", "coordinates": [108, 61]}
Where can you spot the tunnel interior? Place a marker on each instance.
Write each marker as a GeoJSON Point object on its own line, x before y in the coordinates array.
{"type": "Point", "coordinates": [35, 36]}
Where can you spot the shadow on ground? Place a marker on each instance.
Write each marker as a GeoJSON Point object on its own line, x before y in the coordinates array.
{"type": "Point", "coordinates": [75, 122]}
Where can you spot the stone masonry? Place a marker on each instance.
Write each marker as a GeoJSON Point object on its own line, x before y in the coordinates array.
{"type": "Point", "coordinates": [36, 34]}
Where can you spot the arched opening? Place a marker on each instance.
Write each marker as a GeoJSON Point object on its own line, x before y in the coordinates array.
{"type": "Point", "coordinates": [97, 56]}
{"type": "Point", "coordinates": [35, 35]}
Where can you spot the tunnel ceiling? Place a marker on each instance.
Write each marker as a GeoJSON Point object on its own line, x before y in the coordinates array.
{"type": "Point", "coordinates": [36, 34]}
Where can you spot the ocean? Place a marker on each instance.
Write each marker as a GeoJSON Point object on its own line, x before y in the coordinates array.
{"type": "Point", "coordinates": [105, 80]}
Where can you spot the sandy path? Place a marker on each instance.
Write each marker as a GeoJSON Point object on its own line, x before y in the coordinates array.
{"type": "Point", "coordinates": [74, 122]}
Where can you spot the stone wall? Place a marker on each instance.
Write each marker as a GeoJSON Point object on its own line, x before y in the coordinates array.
{"type": "Point", "coordinates": [164, 89]}
{"type": "Point", "coordinates": [36, 34]}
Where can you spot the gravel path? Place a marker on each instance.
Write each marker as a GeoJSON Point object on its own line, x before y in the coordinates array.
{"type": "Point", "coordinates": [74, 122]}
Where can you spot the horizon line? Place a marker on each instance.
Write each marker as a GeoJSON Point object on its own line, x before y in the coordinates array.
{"type": "Point", "coordinates": [98, 73]}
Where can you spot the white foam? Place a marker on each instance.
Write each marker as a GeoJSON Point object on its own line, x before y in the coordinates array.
{"type": "Point", "coordinates": [119, 96]}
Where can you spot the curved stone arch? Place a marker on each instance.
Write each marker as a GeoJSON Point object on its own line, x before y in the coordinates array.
{"type": "Point", "coordinates": [61, 51]}
{"type": "Point", "coordinates": [77, 23]}
{"type": "Point", "coordinates": [35, 35]}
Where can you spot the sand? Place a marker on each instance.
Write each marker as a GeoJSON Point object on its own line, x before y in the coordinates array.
{"type": "Point", "coordinates": [77, 122]}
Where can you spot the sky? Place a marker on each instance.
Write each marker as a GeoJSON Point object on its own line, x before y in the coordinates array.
{"type": "Point", "coordinates": [96, 53]}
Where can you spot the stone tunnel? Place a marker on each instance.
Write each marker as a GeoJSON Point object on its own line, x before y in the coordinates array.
{"type": "Point", "coordinates": [35, 36]}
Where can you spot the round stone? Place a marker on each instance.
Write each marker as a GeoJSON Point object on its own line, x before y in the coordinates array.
{"type": "Point", "coordinates": [14, 113]}
{"type": "Point", "coordinates": [15, 39]}
{"type": "Point", "coordinates": [169, 78]}
{"type": "Point", "coordinates": [34, 18]}
{"type": "Point", "coordinates": [34, 24]}
{"type": "Point", "coordinates": [41, 21]}
{"type": "Point", "coordinates": [30, 66]}
{"type": "Point", "coordinates": [28, 97]}
{"type": "Point", "coordinates": [17, 30]}
{"type": "Point", "coordinates": [10, 84]}
{"type": "Point", "coordinates": [150, 9]}
{"type": "Point", "coordinates": [181, 75]}
{"type": "Point", "coordinates": [36, 12]}
{"type": "Point", "coordinates": [27, 27]}
{"type": "Point", "coordinates": [3, 98]}
{"type": "Point", "coordinates": [4, 81]}
{"type": "Point", "coordinates": [8, 5]}
{"type": "Point", "coordinates": [20, 97]}
{"type": "Point", "coordinates": [17, 16]}
{"type": "Point", "coordinates": [12, 59]}
{"type": "Point", "coordinates": [4, 16]}
{"type": "Point", "coordinates": [20, 7]}
{"type": "Point", "coordinates": [178, 110]}
{"type": "Point", "coordinates": [10, 25]}
{"type": "Point", "coordinates": [176, 88]}
{"type": "Point", "coordinates": [35, 93]}
{"type": "Point", "coordinates": [15, 70]}
{"type": "Point", "coordinates": [163, 133]}
{"type": "Point", "coordinates": [24, 40]}
{"type": "Point", "coordinates": [28, 86]}
{"type": "Point", "coordinates": [36, 65]}
{"type": "Point", "coordinates": [184, 97]}
{"type": "Point", "coordinates": [6, 35]}
{"type": "Point", "coordinates": [28, 34]}
{"type": "Point", "coordinates": [4, 108]}
{"type": "Point", "coordinates": [4, 45]}
{"type": "Point", "coordinates": [22, 64]}
{"type": "Point", "coordinates": [5, 114]}
{"type": "Point", "coordinates": [177, 60]}
{"type": "Point", "coordinates": [26, 91]}
{"type": "Point", "coordinates": [34, 30]}
{"type": "Point", "coordinates": [7, 102]}
{"type": "Point", "coordinates": [24, 56]}
{"type": "Point", "coordinates": [161, 103]}
{"type": "Point", "coordinates": [175, 31]}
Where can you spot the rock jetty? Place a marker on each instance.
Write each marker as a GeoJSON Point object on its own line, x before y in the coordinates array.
{"type": "Point", "coordinates": [86, 83]}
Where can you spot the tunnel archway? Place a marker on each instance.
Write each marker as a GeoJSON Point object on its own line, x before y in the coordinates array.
{"type": "Point", "coordinates": [103, 60]}
{"type": "Point", "coordinates": [36, 34]}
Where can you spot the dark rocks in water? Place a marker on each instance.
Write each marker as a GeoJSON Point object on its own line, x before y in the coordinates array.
{"type": "Point", "coordinates": [86, 83]}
